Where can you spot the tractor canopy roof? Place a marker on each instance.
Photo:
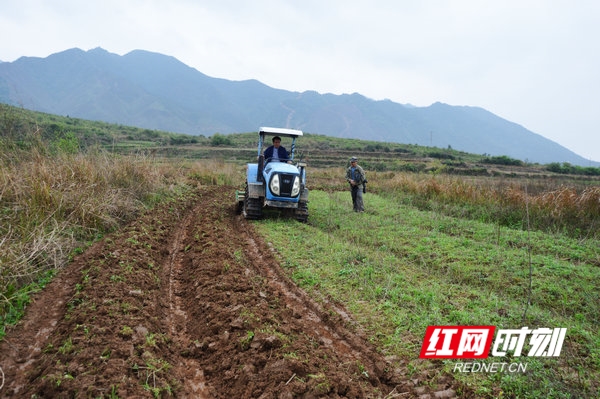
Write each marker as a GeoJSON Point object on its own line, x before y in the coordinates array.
{"type": "Point", "coordinates": [279, 131]}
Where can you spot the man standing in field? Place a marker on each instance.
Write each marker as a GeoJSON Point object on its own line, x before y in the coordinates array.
{"type": "Point", "coordinates": [355, 175]}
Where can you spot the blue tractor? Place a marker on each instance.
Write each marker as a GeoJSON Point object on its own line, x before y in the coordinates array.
{"type": "Point", "coordinates": [275, 181]}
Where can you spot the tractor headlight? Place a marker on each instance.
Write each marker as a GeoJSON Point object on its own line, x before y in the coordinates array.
{"type": "Point", "coordinates": [296, 186]}
{"type": "Point", "coordinates": [274, 185]}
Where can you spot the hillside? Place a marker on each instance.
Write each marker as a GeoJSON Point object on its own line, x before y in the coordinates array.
{"type": "Point", "coordinates": [318, 150]}
{"type": "Point", "coordinates": [156, 91]}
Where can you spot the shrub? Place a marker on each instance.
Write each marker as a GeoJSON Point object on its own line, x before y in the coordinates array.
{"type": "Point", "coordinates": [220, 140]}
{"type": "Point", "coordinates": [502, 160]}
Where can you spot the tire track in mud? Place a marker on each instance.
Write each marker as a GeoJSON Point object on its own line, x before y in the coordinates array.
{"type": "Point", "coordinates": [194, 384]}
{"type": "Point", "coordinates": [18, 355]}
{"type": "Point", "coordinates": [256, 334]}
{"type": "Point", "coordinates": [277, 337]}
{"type": "Point", "coordinates": [332, 331]}
{"type": "Point", "coordinates": [90, 329]}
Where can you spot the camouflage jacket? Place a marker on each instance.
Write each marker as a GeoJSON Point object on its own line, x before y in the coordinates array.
{"type": "Point", "coordinates": [359, 175]}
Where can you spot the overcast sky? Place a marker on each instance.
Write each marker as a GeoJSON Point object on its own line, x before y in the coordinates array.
{"type": "Point", "coordinates": [533, 62]}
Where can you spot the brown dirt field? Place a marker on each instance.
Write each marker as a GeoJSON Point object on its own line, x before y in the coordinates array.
{"type": "Point", "coordinates": [188, 301]}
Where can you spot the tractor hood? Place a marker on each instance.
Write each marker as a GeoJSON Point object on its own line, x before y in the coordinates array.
{"type": "Point", "coordinates": [281, 167]}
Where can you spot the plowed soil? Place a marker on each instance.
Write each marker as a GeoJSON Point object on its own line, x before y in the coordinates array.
{"type": "Point", "coordinates": [188, 301]}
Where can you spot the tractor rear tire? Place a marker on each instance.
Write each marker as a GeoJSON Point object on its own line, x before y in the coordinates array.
{"type": "Point", "coordinates": [301, 213]}
{"type": "Point", "coordinates": [252, 208]}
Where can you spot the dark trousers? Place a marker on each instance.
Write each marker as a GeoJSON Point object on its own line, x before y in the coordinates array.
{"type": "Point", "coordinates": [357, 199]}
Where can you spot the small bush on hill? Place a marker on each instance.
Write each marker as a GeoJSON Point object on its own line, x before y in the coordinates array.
{"type": "Point", "coordinates": [503, 160]}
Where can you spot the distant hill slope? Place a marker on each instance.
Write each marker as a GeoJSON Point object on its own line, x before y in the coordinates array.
{"type": "Point", "coordinates": [156, 91]}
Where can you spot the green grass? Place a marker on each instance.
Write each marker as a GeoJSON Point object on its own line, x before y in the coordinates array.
{"type": "Point", "coordinates": [399, 269]}
{"type": "Point", "coordinates": [14, 300]}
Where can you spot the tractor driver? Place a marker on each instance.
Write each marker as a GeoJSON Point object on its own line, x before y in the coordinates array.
{"type": "Point", "coordinates": [276, 152]}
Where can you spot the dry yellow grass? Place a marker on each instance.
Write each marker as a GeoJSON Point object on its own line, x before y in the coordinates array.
{"type": "Point", "coordinates": [551, 207]}
{"type": "Point", "coordinates": [49, 205]}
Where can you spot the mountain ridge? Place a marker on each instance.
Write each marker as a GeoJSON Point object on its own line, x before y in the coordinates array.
{"type": "Point", "coordinates": [156, 91]}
